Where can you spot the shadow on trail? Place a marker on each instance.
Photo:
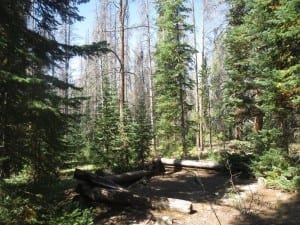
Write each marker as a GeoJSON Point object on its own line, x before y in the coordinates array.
{"type": "Point", "coordinates": [122, 215]}
{"type": "Point", "coordinates": [286, 213]}
{"type": "Point", "coordinates": [194, 185]}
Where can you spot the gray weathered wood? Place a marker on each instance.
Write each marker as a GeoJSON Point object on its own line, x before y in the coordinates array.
{"type": "Point", "coordinates": [125, 197]}
{"type": "Point", "coordinates": [204, 164]}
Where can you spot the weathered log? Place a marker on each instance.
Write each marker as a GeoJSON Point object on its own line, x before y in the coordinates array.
{"type": "Point", "coordinates": [96, 180]}
{"type": "Point", "coordinates": [174, 204]}
{"type": "Point", "coordinates": [129, 177]}
{"type": "Point", "coordinates": [112, 181]}
{"type": "Point", "coordinates": [154, 168]}
{"type": "Point", "coordinates": [203, 164]}
{"type": "Point", "coordinates": [125, 197]}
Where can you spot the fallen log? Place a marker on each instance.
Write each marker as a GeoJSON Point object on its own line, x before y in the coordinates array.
{"type": "Point", "coordinates": [112, 181]}
{"type": "Point", "coordinates": [154, 168]}
{"type": "Point", "coordinates": [95, 180]}
{"type": "Point", "coordinates": [203, 164]}
{"type": "Point", "coordinates": [125, 197]}
{"type": "Point", "coordinates": [129, 177]}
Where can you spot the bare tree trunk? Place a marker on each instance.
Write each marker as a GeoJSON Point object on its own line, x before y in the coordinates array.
{"type": "Point", "coordinates": [210, 119]}
{"type": "Point", "coordinates": [198, 140]}
{"type": "Point", "coordinates": [201, 125]}
{"type": "Point", "coordinates": [122, 13]}
{"type": "Point", "coordinates": [151, 91]}
{"type": "Point", "coordinates": [123, 4]}
{"type": "Point", "coordinates": [67, 35]}
{"type": "Point", "coordinates": [183, 124]}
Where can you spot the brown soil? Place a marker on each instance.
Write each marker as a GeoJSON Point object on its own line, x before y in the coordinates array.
{"type": "Point", "coordinates": [216, 201]}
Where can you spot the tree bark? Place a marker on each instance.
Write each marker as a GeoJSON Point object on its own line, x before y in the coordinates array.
{"type": "Point", "coordinates": [112, 181]}
{"type": "Point", "coordinates": [107, 189]}
{"type": "Point", "coordinates": [125, 197]}
{"type": "Point", "coordinates": [197, 98]}
{"type": "Point", "coordinates": [156, 168]}
{"type": "Point", "coordinates": [151, 86]}
{"type": "Point", "coordinates": [203, 164]}
{"type": "Point", "coordinates": [123, 4]}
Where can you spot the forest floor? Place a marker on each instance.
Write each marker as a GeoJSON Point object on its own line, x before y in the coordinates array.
{"type": "Point", "coordinates": [218, 199]}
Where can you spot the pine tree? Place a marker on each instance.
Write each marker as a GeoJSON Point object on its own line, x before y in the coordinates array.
{"type": "Point", "coordinates": [263, 67]}
{"type": "Point", "coordinates": [139, 135]}
{"type": "Point", "coordinates": [34, 123]}
{"type": "Point", "coordinates": [173, 57]}
{"type": "Point", "coordinates": [218, 81]}
{"type": "Point", "coordinates": [240, 101]}
{"type": "Point", "coordinates": [275, 63]}
{"type": "Point", "coordinates": [107, 142]}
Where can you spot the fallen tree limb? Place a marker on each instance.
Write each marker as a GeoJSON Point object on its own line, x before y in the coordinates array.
{"type": "Point", "coordinates": [203, 164]}
{"type": "Point", "coordinates": [125, 197]}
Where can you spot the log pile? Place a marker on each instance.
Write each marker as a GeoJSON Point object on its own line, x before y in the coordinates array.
{"type": "Point", "coordinates": [110, 189]}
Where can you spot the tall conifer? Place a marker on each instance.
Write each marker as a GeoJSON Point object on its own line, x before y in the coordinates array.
{"type": "Point", "coordinates": [34, 123]}
{"type": "Point", "coordinates": [172, 81]}
{"type": "Point", "coordinates": [263, 66]}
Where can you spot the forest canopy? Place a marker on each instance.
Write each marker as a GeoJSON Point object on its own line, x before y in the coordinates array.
{"type": "Point", "coordinates": [178, 80]}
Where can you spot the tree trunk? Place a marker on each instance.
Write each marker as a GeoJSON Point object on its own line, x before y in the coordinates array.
{"type": "Point", "coordinates": [201, 107]}
{"type": "Point", "coordinates": [151, 91]}
{"type": "Point", "coordinates": [203, 164]}
{"type": "Point", "coordinates": [155, 168]}
{"type": "Point", "coordinates": [197, 97]}
{"type": "Point", "coordinates": [125, 197]}
{"type": "Point", "coordinates": [112, 181]}
{"type": "Point", "coordinates": [106, 189]}
{"type": "Point", "coordinates": [123, 8]}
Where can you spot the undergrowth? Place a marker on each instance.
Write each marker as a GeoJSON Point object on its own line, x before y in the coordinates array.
{"type": "Point", "coordinates": [42, 203]}
{"type": "Point", "coordinates": [278, 169]}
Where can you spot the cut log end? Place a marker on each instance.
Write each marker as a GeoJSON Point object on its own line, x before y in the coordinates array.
{"type": "Point", "coordinates": [172, 204]}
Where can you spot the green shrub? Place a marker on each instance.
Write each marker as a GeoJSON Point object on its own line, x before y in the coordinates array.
{"type": "Point", "coordinates": [40, 204]}
{"type": "Point", "coordinates": [238, 162]}
{"type": "Point", "coordinates": [18, 210]}
{"type": "Point", "coordinates": [71, 214]}
{"type": "Point", "coordinates": [278, 169]}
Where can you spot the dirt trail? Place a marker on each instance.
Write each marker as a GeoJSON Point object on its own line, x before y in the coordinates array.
{"type": "Point", "coordinates": [215, 201]}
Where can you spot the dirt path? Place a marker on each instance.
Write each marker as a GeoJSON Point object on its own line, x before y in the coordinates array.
{"type": "Point", "coordinates": [215, 202]}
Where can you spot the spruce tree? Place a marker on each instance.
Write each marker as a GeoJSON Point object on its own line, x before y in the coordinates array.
{"type": "Point", "coordinates": [172, 81]}
{"type": "Point", "coordinates": [263, 66]}
{"type": "Point", "coordinates": [107, 142]}
{"type": "Point", "coordinates": [34, 123]}
{"type": "Point", "coordinates": [140, 134]}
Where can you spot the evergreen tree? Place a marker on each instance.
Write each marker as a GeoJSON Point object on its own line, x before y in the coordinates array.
{"type": "Point", "coordinates": [34, 123]}
{"type": "Point", "coordinates": [239, 99]}
{"type": "Point", "coordinates": [140, 133]}
{"type": "Point", "coordinates": [218, 80]}
{"type": "Point", "coordinates": [263, 66]}
{"type": "Point", "coordinates": [107, 143]}
{"type": "Point", "coordinates": [205, 104]}
{"type": "Point", "coordinates": [173, 57]}
{"type": "Point", "coordinates": [276, 64]}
